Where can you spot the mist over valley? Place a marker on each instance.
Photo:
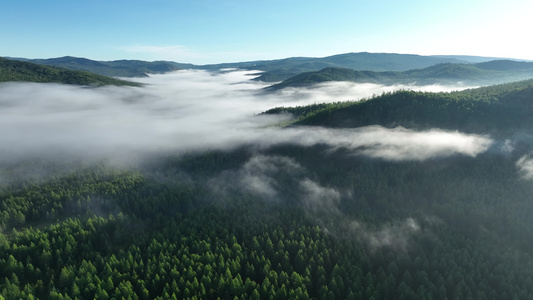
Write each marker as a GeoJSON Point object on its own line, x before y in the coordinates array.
{"type": "Point", "coordinates": [176, 112]}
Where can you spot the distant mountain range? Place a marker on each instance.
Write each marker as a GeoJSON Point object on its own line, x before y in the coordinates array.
{"type": "Point", "coordinates": [272, 70]}
{"type": "Point", "coordinates": [486, 73]}
{"type": "Point", "coordinates": [13, 70]}
{"type": "Point", "coordinates": [383, 68]}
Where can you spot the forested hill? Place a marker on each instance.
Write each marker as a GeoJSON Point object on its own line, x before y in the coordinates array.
{"type": "Point", "coordinates": [468, 74]}
{"type": "Point", "coordinates": [13, 70]}
{"type": "Point", "coordinates": [495, 109]}
{"type": "Point", "coordinates": [119, 68]}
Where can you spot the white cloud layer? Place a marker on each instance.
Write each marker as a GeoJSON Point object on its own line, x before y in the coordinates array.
{"type": "Point", "coordinates": [191, 110]}
{"type": "Point", "coordinates": [328, 91]}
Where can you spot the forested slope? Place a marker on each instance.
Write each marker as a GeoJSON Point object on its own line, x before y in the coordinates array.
{"type": "Point", "coordinates": [498, 109]}
{"type": "Point", "coordinates": [118, 68]}
{"type": "Point", "coordinates": [12, 70]}
{"type": "Point", "coordinates": [286, 221]}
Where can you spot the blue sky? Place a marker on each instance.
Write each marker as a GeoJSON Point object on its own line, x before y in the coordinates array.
{"type": "Point", "coordinates": [204, 32]}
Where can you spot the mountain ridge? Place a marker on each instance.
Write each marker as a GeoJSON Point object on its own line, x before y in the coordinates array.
{"type": "Point", "coordinates": [272, 70]}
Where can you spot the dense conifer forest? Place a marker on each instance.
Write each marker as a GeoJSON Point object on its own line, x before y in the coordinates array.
{"type": "Point", "coordinates": [287, 221]}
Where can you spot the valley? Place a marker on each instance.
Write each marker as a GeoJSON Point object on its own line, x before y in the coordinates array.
{"type": "Point", "coordinates": [198, 184]}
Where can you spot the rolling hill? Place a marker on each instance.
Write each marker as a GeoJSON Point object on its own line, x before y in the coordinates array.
{"type": "Point", "coordinates": [447, 73]}
{"type": "Point", "coordinates": [13, 70]}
